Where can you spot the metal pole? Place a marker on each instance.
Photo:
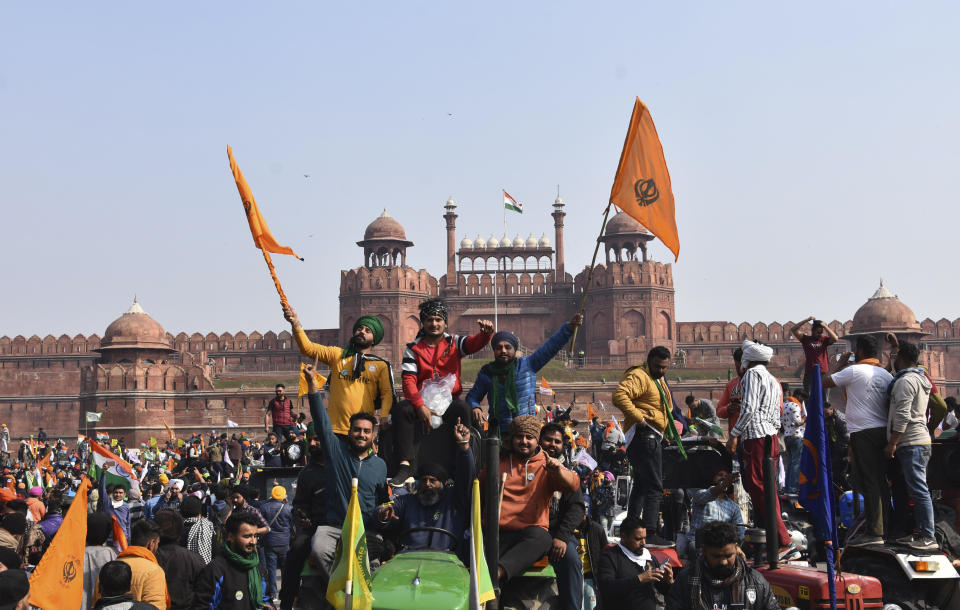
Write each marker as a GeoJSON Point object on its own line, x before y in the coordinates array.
{"type": "Point", "coordinates": [491, 534]}
{"type": "Point", "coordinates": [770, 499]}
{"type": "Point", "coordinates": [583, 299]}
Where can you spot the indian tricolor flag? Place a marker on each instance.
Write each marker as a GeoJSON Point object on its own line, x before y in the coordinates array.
{"type": "Point", "coordinates": [115, 469]}
{"type": "Point", "coordinates": [511, 204]}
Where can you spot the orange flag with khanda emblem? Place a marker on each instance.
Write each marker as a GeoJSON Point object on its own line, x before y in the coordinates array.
{"type": "Point", "coordinates": [262, 237]}
{"type": "Point", "coordinates": [57, 581]}
{"type": "Point", "coordinates": [642, 186]}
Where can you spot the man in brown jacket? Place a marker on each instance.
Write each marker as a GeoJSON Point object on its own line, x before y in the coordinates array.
{"type": "Point", "coordinates": [646, 404]}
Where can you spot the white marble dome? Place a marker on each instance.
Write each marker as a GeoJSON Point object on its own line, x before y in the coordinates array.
{"type": "Point", "coordinates": [532, 241]}
{"type": "Point", "coordinates": [466, 242]}
{"type": "Point", "coordinates": [518, 241]}
{"type": "Point", "coordinates": [544, 241]}
{"type": "Point", "coordinates": [506, 242]}
{"type": "Point", "coordinates": [493, 242]}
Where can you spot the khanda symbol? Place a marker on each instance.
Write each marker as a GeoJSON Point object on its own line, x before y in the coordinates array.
{"type": "Point", "coordinates": [646, 191]}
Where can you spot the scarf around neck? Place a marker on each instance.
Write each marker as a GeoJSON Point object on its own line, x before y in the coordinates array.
{"type": "Point", "coordinates": [641, 560]}
{"type": "Point", "coordinates": [145, 553]}
{"type": "Point", "coordinates": [507, 373]}
{"type": "Point", "coordinates": [251, 564]}
{"type": "Point", "coordinates": [701, 572]}
{"type": "Point", "coordinates": [671, 431]}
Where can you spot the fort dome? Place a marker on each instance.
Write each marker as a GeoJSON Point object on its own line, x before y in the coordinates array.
{"type": "Point", "coordinates": [135, 329]}
{"type": "Point", "coordinates": [466, 243]}
{"type": "Point", "coordinates": [532, 241]}
{"type": "Point", "coordinates": [385, 226]}
{"type": "Point", "coordinates": [884, 312]}
{"type": "Point", "coordinates": [624, 224]}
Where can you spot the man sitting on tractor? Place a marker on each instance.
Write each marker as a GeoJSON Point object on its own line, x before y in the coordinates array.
{"type": "Point", "coordinates": [434, 505]}
{"type": "Point", "coordinates": [531, 479]}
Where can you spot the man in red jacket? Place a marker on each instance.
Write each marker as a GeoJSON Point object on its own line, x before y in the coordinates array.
{"type": "Point", "coordinates": [433, 355]}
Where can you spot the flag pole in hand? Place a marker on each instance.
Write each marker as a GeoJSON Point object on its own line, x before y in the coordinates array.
{"type": "Point", "coordinates": [586, 288]}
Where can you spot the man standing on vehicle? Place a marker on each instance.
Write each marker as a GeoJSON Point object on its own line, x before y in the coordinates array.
{"type": "Point", "coordinates": [432, 356]}
{"type": "Point", "coordinates": [909, 440]}
{"type": "Point", "coordinates": [866, 383]}
{"type": "Point", "coordinates": [647, 407]}
{"type": "Point", "coordinates": [815, 347]}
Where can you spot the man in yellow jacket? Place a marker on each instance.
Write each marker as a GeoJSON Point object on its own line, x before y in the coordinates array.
{"type": "Point", "coordinates": [645, 401]}
{"type": "Point", "coordinates": [359, 381]}
{"type": "Point", "coordinates": [148, 582]}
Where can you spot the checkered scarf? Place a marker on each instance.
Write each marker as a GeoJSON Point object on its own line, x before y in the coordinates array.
{"type": "Point", "coordinates": [735, 581]}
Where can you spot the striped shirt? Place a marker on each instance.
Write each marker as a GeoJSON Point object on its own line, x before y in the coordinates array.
{"type": "Point", "coordinates": [760, 399]}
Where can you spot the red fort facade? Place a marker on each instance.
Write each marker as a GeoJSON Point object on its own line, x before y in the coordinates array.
{"type": "Point", "coordinates": [141, 377]}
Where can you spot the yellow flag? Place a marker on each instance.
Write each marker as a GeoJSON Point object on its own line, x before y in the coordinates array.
{"type": "Point", "coordinates": [153, 441]}
{"type": "Point", "coordinates": [262, 237]}
{"type": "Point", "coordinates": [642, 186]}
{"type": "Point", "coordinates": [304, 389]}
{"type": "Point", "coordinates": [57, 581]}
{"type": "Point", "coordinates": [350, 573]}
{"type": "Point", "coordinates": [481, 587]}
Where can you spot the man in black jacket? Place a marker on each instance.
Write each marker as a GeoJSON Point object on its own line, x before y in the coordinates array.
{"type": "Point", "coordinates": [226, 583]}
{"type": "Point", "coordinates": [566, 512]}
{"type": "Point", "coordinates": [629, 575]}
{"type": "Point", "coordinates": [591, 540]}
{"type": "Point", "coordinates": [719, 577]}
{"type": "Point", "coordinates": [180, 566]}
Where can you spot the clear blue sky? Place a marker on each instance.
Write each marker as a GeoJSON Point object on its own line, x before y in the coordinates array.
{"type": "Point", "coordinates": [813, 147]}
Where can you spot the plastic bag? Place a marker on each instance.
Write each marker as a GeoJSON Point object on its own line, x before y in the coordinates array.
{"type": "Point", "coordinates": [437, 394]}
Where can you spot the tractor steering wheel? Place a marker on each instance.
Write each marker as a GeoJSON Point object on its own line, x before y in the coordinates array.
{"type": "Point", "coordinates": [432, 530]}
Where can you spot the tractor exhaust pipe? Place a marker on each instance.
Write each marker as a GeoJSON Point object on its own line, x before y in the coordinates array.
{"type": "Point", "coordinates": [770, 497]}
{"type": "Point", "coordinates": [491, 513]}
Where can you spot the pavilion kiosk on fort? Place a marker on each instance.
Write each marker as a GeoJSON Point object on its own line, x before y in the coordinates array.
{"type": "Point", "coordinates": [139, 376]}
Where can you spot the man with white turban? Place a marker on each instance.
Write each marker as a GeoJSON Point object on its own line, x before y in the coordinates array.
{"type": "Point", "coordinates": [757, 427]}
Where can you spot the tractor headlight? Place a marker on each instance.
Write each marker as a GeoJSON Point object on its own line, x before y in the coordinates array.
{"type": "Point", "coordinates": [891, 607]}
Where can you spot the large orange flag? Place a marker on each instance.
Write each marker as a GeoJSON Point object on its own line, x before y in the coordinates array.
{"type": "Point", "coordinates": [57, 581]}
{"type": "Point", "coordinates": [258, 226]}
{"type": "Point", "coordinates": [642, 186]}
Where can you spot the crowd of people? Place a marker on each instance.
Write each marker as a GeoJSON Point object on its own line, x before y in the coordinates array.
{"type": "Point", "coordinates": [193, 532]}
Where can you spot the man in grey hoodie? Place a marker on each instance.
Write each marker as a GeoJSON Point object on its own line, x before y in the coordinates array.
{"type": "Point", "coordinates": [909, 441]}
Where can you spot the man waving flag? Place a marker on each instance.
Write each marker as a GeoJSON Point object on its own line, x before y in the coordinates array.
{"type": "Point", "coordinates": [510, 203]}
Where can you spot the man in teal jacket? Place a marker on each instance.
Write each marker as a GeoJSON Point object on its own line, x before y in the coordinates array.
{"type": "Point", "coordinates": [509, 382]}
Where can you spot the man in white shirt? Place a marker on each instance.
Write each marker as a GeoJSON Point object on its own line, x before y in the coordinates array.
{"type": "Point", "coordinates": [865, 384]}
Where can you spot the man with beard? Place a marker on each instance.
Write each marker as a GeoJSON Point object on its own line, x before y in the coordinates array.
{"type": "Point", "coordinates": [434, 504]}
{"type": "Point", "coordinates": [234, 580]}
{"type": "Point", "coordinates": [531, 478]}
{"type": "Point", "coordinates": [713, 504]}
{"type": "Point", "coordinates": [630, 574]}
{"type": "Point", "coordinates": [269, 452]}
{"type": "Point", "coordinates": [309, 511]}
{"type": "Point", "coordinates": [509, 382]}
{"type": "Point", "coordinates": [344, 460]}
{"type": "Point", "coordinates": [647, 406]}
{"type": "Point", "coordinates": [238, 498]}
{"type": "Point", "coordinates": [359, 381]}
{"type": "Point", "coordinates": [566, 513]}
{"type": "Point", "coordinates": [293, 450]}
{"type": "Point", "coordinates": [433, 355]}
{"type": "Point", "coordinates": [719, 576]}
{"type": "Point", "coordinates": [280, 410]}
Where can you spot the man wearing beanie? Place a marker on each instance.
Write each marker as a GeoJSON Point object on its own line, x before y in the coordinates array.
{"type": "Point", "coordinates": [433, 354]}
{"type": "Point", "coordinates": [276, 542]}
{"type": "Point", "coordinates": [14, 590]}
{"type": "Point", "coordinates": [359, 381]}
{"type": "Point", "coordinates": [435, 504]}
{"type": "Point", "coordinates": [531, 479]}
{"type": "Point", "coordinates": [181, 567]}
{"type": "Point", "coordinates": [509, 382]}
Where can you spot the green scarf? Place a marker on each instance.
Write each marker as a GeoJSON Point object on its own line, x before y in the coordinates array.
{"type": "Point", "coordinates": [671, 425]}
{"type": "Point", "coordinates": [251, 562]}
{"type": "Point", "coordinates": [507, 372]}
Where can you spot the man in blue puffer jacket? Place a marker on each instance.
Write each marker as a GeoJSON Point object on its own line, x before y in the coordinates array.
{"type": "Point", "coordinates": [510, 383]}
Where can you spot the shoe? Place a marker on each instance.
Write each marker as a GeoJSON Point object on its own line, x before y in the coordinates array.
{"type": "Point", "coordinates": [923, 543]}
{"type": "Point", "coordinates": [404, 475]}
{"type": "Point", "coordinates": [789, 552]}
{"type": "Point", "coordinates": [656, 542]}
{"type": "Point", "coordinates": [864, 539]}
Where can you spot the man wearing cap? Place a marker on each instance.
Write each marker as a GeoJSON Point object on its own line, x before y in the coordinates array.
{"type": "Point", "coordinates": [433, 355]}
{"type": "Point", "coordinates": [434, 504]}
{"type": "Point", "coordinates": [276, 542]}
{"type": "Point", "coordinates": [757, 426]}
{"type": "Point", "coordinates": [532, 477]}
{"type": "Point", "coordinates": [510, 383]}
{"type": "Point", "coordinates": [359, 381]}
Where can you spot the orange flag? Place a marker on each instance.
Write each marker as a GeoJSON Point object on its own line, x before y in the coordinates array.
{"type": "Point", "coordinates": [167, 426]}
{"type": "Point", "coordinates": [57, 581]}
{"type": "Point", "coordinates": [262, 237]}
{"type": "Point", "coordinates": [118, 536]}
{"type": "Point", "coordinates": [44, 462]}
{"type": "Point", "coordinates": [591, 412]}
{"type": "Point", "coordinates": [642, 186]}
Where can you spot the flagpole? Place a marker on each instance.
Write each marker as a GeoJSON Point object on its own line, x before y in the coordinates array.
{"type": "Point", "coordinates": [586, 288]}
{"type": "Point", "coordinates": [496, 310]}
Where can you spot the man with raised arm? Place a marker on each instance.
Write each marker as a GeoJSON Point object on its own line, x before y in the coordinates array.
{"type": "Point", "coordinates": [815, 347]}
{"type": "Point", "coordinates": [359, 381]}
{"type": "Point", "coordinates": [509, 382]}
{"type": "Point", "coordinates": [432, 356]}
